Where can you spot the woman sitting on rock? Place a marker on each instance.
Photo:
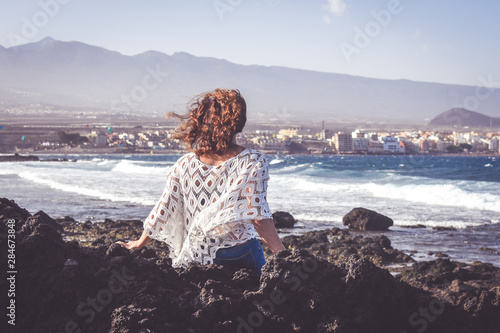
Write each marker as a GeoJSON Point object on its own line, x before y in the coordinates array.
{"type": "Point", "coordinates": [215, 195]}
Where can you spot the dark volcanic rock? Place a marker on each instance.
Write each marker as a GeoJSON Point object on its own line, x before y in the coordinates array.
{"type": "Point", "coordinates": [444, 228]}
{"type": "Point", "coordinates": [299, 292]}
{"type": "Point", "coordinates": [366, 219]}
{"type": "Point", "coordinates": [105, 233]}
{"type": "Point", "coordinates": [488, 249]}
{"type": "Point", "coordinates": [10, 210]}
{"type": "Point", "coordinates": [283, 220]}
{"type": "Point", "coordinates": [18, 158]}
{"type": "Point", "coordinates": [63, 287]}
{"type": "Point", "coordinates": [472, 289]}
{"type": "Point", "coordinates": [338, 245]}
{"type": "Point", "coordinates": [44, 218]}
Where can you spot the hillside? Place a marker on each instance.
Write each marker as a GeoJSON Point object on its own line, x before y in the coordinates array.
{"type": "Point", "coordinates": [77, 74]}
{"type": "Point", "coordinates": [462, 117]}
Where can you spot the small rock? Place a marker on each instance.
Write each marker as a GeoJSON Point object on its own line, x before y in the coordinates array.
{"type": "Point", "coordinates": [71, 262]}
{"type": "Point", "coordinates": [444, 228]}
{"type": "Point", "coordinates": [366, 219]}
{"type": "Point", "coordinates": [488, 249]}
{"type": "Point", "coordinates": [87, 225]}
{"type": "Point", "coordinates": [283, 220]}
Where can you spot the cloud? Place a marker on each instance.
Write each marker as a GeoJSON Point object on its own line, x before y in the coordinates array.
{"type": "Point", "coordinates": [336, 7]}
{"type": "Point", "coordinates": [417, 33]}
{"type": "Point", "coordinates": [327, 20]}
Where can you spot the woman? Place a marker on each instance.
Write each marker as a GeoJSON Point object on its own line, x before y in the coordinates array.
{"type": "Point", "coordinates": [215, 195]}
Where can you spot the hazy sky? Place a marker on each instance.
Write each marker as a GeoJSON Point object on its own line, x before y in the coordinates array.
{"type": "Point", "coordinates": [449, 41]}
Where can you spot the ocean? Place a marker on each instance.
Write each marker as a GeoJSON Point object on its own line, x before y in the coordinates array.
{"type": "Point", "coordinates": [459, 192]}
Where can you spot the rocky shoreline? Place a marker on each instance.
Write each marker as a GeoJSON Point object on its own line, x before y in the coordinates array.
{"type": "Point", "coordinates": [31, 158]}
{"type": "Point", "coordinates": [73, 277]}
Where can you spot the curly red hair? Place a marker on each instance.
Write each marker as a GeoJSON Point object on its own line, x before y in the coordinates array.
{"type": "Point", "coordinates": [212, 121]}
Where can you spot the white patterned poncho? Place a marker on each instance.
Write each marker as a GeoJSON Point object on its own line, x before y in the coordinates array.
{"type": "Point", "coordinates": [204, 208]}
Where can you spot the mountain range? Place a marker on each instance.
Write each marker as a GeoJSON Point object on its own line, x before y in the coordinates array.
{"type": "Point", "coordinates": [78, 74]}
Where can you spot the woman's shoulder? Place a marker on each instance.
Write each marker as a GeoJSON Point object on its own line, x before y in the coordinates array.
{"type": "Point", "coordinates": [186, 157]}
{"type": "Point", "coordinates": [183, 162]}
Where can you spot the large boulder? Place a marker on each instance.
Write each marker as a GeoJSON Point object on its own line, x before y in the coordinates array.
{"type": "Point", "coordinates": [283, 220]}
{"type": "Point", "coordinates": [366, 219]}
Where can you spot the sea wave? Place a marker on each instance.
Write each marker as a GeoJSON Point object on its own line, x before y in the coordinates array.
{"type": "Point", "coordinates": [438, 194]}
{"type": "Point", "coordinates": [433, 223]}
{"type": "Point", "coordinates": [287, 169]}
{"type": "Point", "coordinates": [129, 167]}
{"type": "Point", "coordinates": [276, 161]}
{"type": "Point", "coordinates": [85, 191]}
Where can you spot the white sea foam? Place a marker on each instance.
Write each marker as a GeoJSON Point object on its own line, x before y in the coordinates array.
{"type": "Point", "coordinates": [129, 167]}
{"type": "Point", "coordinates": [438, 194]}
{"type": "Point", "coordinates": [83, 190]}
{"type": "Point", "coordinates": [5, 171]}
{"type": "Point", "coordinates": [290, 169]}
{"type": "Point", "coordinates": [433, 223]}
{"type": "Point", "coordinates": [276, 161]}
{"type": "Point", "coordinates": [319, 217]}
{"type": "Point", "coordinates": [302, 185]}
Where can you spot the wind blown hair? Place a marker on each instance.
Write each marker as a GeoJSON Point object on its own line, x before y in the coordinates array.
{"type": "Point", "coordinates": [212, 121]}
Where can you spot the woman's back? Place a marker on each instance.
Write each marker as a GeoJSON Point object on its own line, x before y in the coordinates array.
{"type": "Point", "coordinates": [215, 196]}
{"type": "Point", "coordinates": [208, 207]}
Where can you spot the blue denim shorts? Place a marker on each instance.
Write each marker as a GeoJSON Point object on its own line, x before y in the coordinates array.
{"type": "Point", "coordinates": [248, 255]}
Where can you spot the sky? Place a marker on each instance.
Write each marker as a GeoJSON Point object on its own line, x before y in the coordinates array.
{"type": "Point", "coordinates": [445, 41]}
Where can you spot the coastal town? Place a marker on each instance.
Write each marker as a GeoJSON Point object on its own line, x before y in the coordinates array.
{"type": "Point", "coordinates": [286, 140]}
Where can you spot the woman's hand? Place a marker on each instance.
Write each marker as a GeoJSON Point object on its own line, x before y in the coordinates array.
{"type": "Point", "coordinates": [131, 245]}
{"type": "Point", "coordinates": [137, 244]}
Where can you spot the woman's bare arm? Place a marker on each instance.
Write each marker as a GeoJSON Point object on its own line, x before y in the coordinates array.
{"type": "Point", "coordinates": [267, 231]}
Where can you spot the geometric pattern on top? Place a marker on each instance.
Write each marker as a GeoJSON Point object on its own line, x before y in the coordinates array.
{"type": "Point", "coordinates": [204, 208]}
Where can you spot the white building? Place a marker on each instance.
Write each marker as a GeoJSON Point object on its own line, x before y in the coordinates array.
{"type": "Point", "coordinates": [493, 145]}
{"type": "Point", "coordinates": [392, 145]}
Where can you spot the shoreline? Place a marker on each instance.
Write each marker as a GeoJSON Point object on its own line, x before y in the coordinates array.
{"type": "Point", "coordinates": [326, 279]}
{"type": "Point", "coordinates": [108, 151]}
